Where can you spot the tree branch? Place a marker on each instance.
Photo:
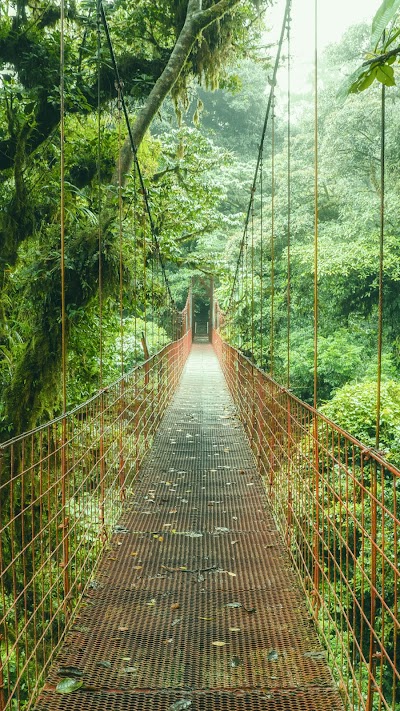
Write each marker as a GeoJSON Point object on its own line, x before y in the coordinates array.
{"type": "Point", "coordinates": [196, 21]}
{"type": "Point", "coordinates": [382, 58]}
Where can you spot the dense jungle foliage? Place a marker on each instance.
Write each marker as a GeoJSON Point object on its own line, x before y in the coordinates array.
{"type": "Point", "coordinates": [197, 162]}
{"type": "Point", "coordinates": [175, 165]}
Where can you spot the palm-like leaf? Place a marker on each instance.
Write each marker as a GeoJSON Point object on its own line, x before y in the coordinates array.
{"type": "Point", "coordinates": [384, 15]}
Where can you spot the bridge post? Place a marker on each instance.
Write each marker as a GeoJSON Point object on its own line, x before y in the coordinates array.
{"type": "Point", "coordinates": [65, 523]}
{"type": "Point", "coordinates": [103, 531]}
{"type": "Point", "coordinates": [289, 519]}
{"type": "Point", "coordinates": [2, 697]}
{"type": "Point", "coordinates": [372, 656]}
{"type": "Point", "coordinates": [316, 557]}
{"type": "Point", "coordinates": [121, 465]}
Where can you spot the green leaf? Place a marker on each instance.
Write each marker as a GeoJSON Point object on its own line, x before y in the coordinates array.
{"type": "Point", "coordinates": [66, 686]}
{"type": "Point", "coordinates": [382, 18]}
{"type": "Point", "coordinates": [359, 80]}
{"type": "Point", "coordinates": [367, 81]}
{"type": "Point", "coordinates": [385, 75]}
{"type": "Point", "coordinates": [347, 84]}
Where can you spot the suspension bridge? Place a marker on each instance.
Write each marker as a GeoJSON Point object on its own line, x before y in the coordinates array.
{"type": "Point", "coordinates": [194, 535]}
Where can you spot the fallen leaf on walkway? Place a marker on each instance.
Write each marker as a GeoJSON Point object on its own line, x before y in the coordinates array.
{"type": "Point", "coordinates": [273, 655]}
{"type": "Point", "coordinates": [233, 604]}
{"type": "Point", "coordinates": [234, 629]}
{"type": "Point", "coordinates": [104, 665]}
{"type": "Point", "coordinates": [175, 606]}
{"type": "Point", "coordinates": [176, 622]}
{"type": "Point", "coordinates": [180, 705]}
{"type": "Point", "coordinates": [123, 629]}
{"type": "Point", "coordinates": [137, 567]}
{"type": "Point", "coordinates": [208, 619]}
{"type": "Point", "coordinates": [315, 655]}
{"type": "Point", "coordinates": [129, 670]}
{"type": "Point", "coordinates": [134, 553]}
{"type": "Point", "coordinates": [218, 644]}
{"type": "Point", "coordinates": [235, 662]}
{"type": "Point", "coordinates": [66, 686]}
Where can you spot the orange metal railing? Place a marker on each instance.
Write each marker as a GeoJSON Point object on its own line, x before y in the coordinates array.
{"type": "Point", "coordinates": [335, 502]}
{"type": "Point", "coordinates": [62, 488]}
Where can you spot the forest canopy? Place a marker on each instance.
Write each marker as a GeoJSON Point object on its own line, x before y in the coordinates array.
{"type": "Point", "coordinates": [195, 74]}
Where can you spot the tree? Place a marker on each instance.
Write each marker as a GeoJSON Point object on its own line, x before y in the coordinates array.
{"type": "Point", "coordinates": [159, 48]}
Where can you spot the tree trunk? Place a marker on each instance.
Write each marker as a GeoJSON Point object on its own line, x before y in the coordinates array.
{"type": "Point", "coordinates": [196, 21]}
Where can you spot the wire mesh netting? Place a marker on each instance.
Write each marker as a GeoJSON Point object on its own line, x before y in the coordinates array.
{"type": "Point", "coordinates": [195, 599]}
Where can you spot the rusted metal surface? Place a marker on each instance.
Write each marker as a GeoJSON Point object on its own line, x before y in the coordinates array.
{"type": "Point", "coordinates": [335, 502]}
{"type": "Point", "coordinates": [195, 599]}
{"type": "Point", "coordinates": [62, 490]}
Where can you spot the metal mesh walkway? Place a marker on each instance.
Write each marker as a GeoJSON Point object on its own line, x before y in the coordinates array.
{"type": "Point", "coordinates": [195, 604]}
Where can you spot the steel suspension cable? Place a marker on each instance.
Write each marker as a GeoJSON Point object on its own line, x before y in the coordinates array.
{"type": "Point", "coordinates": [121, 306]}
{"type": "Point", "coordinates": [272, 247]}
{"type": "Point", "coordinates": [65, 536]}
{"type": "Point", "coordinates": [120, 217]}
{"type": "Point", "coordinates": [372, 659]}
{"type": "Point", "coordinates": [133, 147]}
{"type": "Point", "coordinates": [261, 259]}
{"type": "Point", "coordinates": [62, 208]}
{"type": "Point", "coordinates": [99, 198]}
{"type": "Point", "coordinates": [381, 261]}
{"type": "Point", "coordinates": [252, 278]}
{"type": "Point", "coordinates": [266, 119]}
{"type": "Point", "coordinates": [316, 445]}
{"type": "Point", "coordinates": [246, 280]}
{"type": "Point", "coordinates": [103, 532]}
{"type": "Point", "coordinates": [316, 220]}
{"type": "Point", "coordinates": [135, 251]}
{"type": "Point", "coordinates": [289, 199]}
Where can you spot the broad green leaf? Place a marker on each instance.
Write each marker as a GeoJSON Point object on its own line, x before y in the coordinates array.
{"type": "Point", "coordinates": [351, 83]}
{"type": "Point", "coordinates": [385, 75]}
{"type": "Point", "coordinates": [367, 81]}
{"type": "Point", "coordinates": [66, 686]}
{"type": "Point", "coordinates": [382, 18]}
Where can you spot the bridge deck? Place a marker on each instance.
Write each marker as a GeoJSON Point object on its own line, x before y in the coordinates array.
{"type": "Point", "coordinates": [196, 602]}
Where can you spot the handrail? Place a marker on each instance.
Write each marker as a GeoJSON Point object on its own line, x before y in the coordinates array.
{"type": "Point", "coordinates": [335, 502]}
{"type": "Point", "coordinates": [49, 552]}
